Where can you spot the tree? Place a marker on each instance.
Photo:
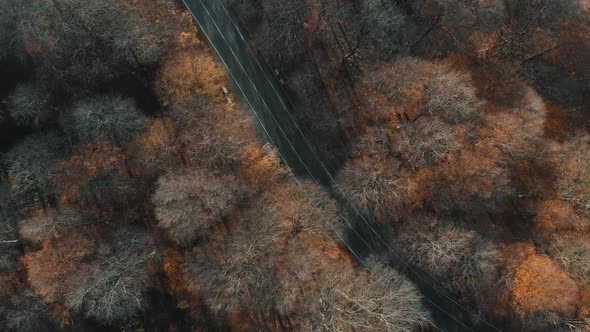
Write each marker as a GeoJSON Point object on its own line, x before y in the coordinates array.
{"type": "Point", "coordinates": [384, 24]}
{"type": "Point", "coordinates": [105, 279]}
{"type": "Point", "coordinates": [536, 281]}
{"type": "Point", "coordinates": [157, 147]}
{"type": "Point", "coordinates": [260, 169]}
{"type": "Point", "coordinates": [208, 145]}
{"type": "Point", "coordinates": [572, 252]}
{"type": "Point", "coordinates": [30, 104]}
{"type": "Point", "coordinates": [30, 166]}
{"type": "Point", "coordinates": [463, 261]}
{"type": "Point", "coordinates": [10, 43]}
{"type": "Point", "coordinates": [426, 141]}
{"type": "Point", "coordinates": [282, 28]}
{"type": "Point", "coordinates": [96, 174]}
{"type": "Point", "coordinates": [79, 43]}
{"type": "Point", "coordinates": [50, 268]}
{"type": "Point", "coordinates": [24, 312]}
{"type": "Point", "coordinates": [309, 209]}
{"type": "Point", "coordinates": [187, 204]}
{"type": "Point", "coordinates": [347, 300]}
{"type": "Point", "coordinates": [49, 223]}
{"type": "Point", "coordinates": [241, 273]}
{"type": "Point", "coordinates": [412, 88]}
{"type": "Point", "coordinates": [520, 131]}
{"type": "Point", "coordinates": [470, 183]}
{"type": "Point", "coordinates": [111, 116]}
{"type": "Point", "coordinates": [381, 188]}
{"type": "Point", "coordinates": [186, 73]}
{"type": "Point", "coordinates": [573, 184]}
{"type": "Point", "coordinates": [9, 242]}
{"type": "Point", "coordinates": [112, 288]}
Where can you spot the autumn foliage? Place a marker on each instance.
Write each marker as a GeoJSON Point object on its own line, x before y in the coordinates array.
{"type": "Point", "coordinates": [137, 193]}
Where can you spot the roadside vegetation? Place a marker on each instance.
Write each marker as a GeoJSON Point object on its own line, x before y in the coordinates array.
{"type": "Point", "coordinates": [135, 196]}
{"type": "Point", "coordinates": [460, 126]}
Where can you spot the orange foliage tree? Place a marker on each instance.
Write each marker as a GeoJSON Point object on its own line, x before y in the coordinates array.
{"type": "Point", "coordinates": [95, 174]}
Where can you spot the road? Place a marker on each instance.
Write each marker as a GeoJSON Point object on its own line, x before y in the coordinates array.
{"type": "Point", "coordinates": [259, 91]}
{"type": "Point", "coordinates": [258, 88]}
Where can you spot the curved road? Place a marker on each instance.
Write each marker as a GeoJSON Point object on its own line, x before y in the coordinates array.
{"type": "Point", "coordinates": [258, 89]}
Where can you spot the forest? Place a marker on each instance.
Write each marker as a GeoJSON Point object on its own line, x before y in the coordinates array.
{"type": "Point", "coordinates": [136, 194]}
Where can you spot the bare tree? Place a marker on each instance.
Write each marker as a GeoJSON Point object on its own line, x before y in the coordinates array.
{"type": "Point", "coordinates": [48, 223]}
{"type": "Point", "coordinates": [79, 43]}
{"type": "Point", "coordinates": [283, 28]}
{"type": "Point", "coordinates": [459, 258]}
{"type": "Point", "coordinates": [384, 24]}
{"type": "Point", "coordinates": [574, 183]}
{"type": "Point", "coordinates": [309, 209]}
{"type": "Point", "coordinates": [114, 117]}
{"type": "Point", "coordinates": [187, 72]}
{"type": "Point", "coordinates": [157, 147]}
{"type": "Point", "coordinates": [573, 253]}
{"type": "Point", "coordinates": [426, 141]}
{"type": "Point", "coordinates": [30, 166]}
{"type": "Point", "coordinates": [381, 188]}
{"type": "Point", "coordinates": [189, 203]}
{"type": "Point", "coordinates": [242, 272]}
{"type": "Point", "coordinates": [9, 242]}
{"type": "Point", "coordinates": [30, 104]}
{"type": "Point", "coordinates": [413, 88]}
{"type": "Point", "coordinates": [521, 129]}
{"type": "Point", "coordinates": [25, 312]}
{"type": "Point", "coordinates": [111, 288]}
{"type": "Point", "coordinates": [348, 300]}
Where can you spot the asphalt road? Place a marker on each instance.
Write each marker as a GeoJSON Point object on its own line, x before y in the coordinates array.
{"type": "Point", "coordinates": [258, 89]}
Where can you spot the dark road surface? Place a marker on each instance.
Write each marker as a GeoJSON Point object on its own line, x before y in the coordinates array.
{"type": "Point", "coordinates": [259, 91]}
{"type": "Point", "coordinates": [257, 87]}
